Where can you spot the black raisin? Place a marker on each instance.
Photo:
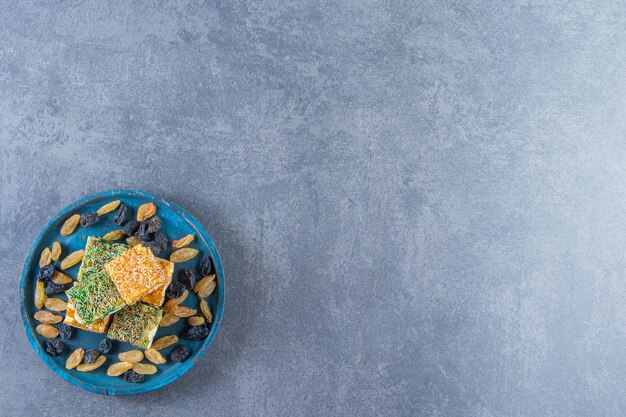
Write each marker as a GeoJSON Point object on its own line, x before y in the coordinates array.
{"type": "Point", "coordinates": [156, 249]}
{"type": "Point", "coordinates": [142, 231]}
{"type": "Point", "coordinates": [206, 266]}
{"type": "Point", "coordinates": [65, 331]}
{"type": "Point", "coordinates": [106, 345]}
{"type": "Point", "coordinates": [54, 347]}
{"type": "Point", "coordinates": [131, 227]}
{"type": "Point", "coordinates": [89, 219]}
{"type": "Point", "coordinates": [181, 353]}
{"type": "Point", "coordinates": [120, 216]}
{"type": "Point", "coordinates": [45, 273]}
{"type": "Point", "coordinates": [175, 289]}
{"type": "Point", "coordinates": [161, 239]}
{"type": "Point", "coordinates": [187, 278]}
{"type": "Point", "coordinates": [91, 355]}
{"type": "Point", "coordinates": [53, 289]}
{"type": "Point", "coordinates": [154, 224]}
{"type": "Point", "coordinates": [196, 332]}
{"type": "Point", "coordinates": [132, 376]}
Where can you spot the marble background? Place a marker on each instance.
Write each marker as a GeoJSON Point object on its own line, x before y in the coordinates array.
{"type": "Point", "coordinates": [420, 205]}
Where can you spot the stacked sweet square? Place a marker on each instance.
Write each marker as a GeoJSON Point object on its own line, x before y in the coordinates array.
{"type": "Point", "coordinates": [95, 295]}
{"type": "Point", "coordinates": [136, 273]}
{"type": "Point", "coordinates": [115, 280]}
{"type": "Point", "coordinates": [157, 297]}
{"type": "Point", "coordinates": [136, 325]}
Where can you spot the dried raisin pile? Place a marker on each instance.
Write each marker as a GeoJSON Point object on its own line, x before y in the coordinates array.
{"type": "Point", "coordinates": [65, 331]}
{"type": "Point", "coordinates": [91, 355]}
{"type": "Point", "coordinates": [54, 289]}
{"type": "Point", "coordinates": [105, 345]}
{"type": "Point", "coordinates": [89, 219]}
{"type": "Point", "coordinates": [181, 353]}
{"type": "Point", "coordinates": [120, 216]}
{"type": "Point", "coordinates": [161, 239]}
{"type": "Point", "coordinates": [142, 231]}
{"type": "Point", "coordinates": [131, 227]}
{"type": "Point", "coordinates": [156, 249]}
{"type": "Point", "coordinates": [132, 376]}
{"type": "Point", "coordinates": [45, 273]}
{"type": "Point", "coordinates": [196, 332]}
{"type": "Point", "coordinates": [54, 347]}
{"type": "Point", "coordinates": [175, 289]}
{"type": "Point", "coordinates": [187, 278]}
{"type": "Point", "coordinates": [154, 224]}
{"type": "Point", "coordinates": [206, 266]}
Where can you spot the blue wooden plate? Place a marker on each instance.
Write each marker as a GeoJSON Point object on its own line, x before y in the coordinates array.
{"type": "Point", "coordinates": [176, 223]}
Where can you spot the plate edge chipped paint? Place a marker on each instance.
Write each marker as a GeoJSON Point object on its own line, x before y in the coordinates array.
{"type": "Point", "coordinates": [134, 388]}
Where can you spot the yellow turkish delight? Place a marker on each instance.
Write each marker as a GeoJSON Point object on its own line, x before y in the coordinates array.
{"type": "Point", "coordinates": [157, 297]}
{"type": "Point", "coordinates": [136, 273]}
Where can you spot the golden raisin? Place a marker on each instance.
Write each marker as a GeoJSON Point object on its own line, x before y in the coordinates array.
{"type": "Point", "coordinates": [40, 295]}
{"type": "Point", "coordinates": [55, 304]}
{"type": "Point", "coordinates": [114, 235]}
{"type": "Point", "coordinates": [55, 253]}
{"type": "Point", "coordinates": [47, 317]}
{"type": "Point", "coordinates": [47, 330]}
{"type": "Point", "coordinates": [74, 359]}
{"type": "Point", "coordinates": [172, 302]}
{"type": "Point", "coordinates": [119, 368]}
{"type": "Point", "coordinates": [206, 311]}
{"type": "Point", "coordinates": [183, 312]}
{"type": "Point", "coordinates": [183, 241]}
{"type": "Point", "coordinates": [133, 241]}
{"type": "Point", "coordinates": [205, 286]}
{"type": "Point", "coordinates": [195, 320]}
{"type": "Point", "coordinates": [144, 368]}
{"type": "Point", "coordinates": [145, 211]}
{"type": "Point", "coordinates": [70, 224]}
{"type": "Point", "coordinates": [108, 207]}
{"type": "Point", "coordinates": [60, 278]}
{"type": "Point", "coordinates": [72, 259]}
{"type": "Point", "coordinates": [45, 258]}
{"type": "Point", "coordinates": [165, 341]}
{"type": "Point", "coordinates": [183, 255]}
{"type": "Point", "coordinates": [131, 356]}
{"type": "Point", "coordinates": [168, 319]}
{"type": "Point", "coordinates": [154, 356]}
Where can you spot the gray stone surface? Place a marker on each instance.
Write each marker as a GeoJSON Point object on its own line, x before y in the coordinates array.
{"type": "Point", "coordinates": [420, 206]}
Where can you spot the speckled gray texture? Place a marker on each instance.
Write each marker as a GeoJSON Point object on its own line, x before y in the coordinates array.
{"type": "Point", "coordinates": [420, 206]}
